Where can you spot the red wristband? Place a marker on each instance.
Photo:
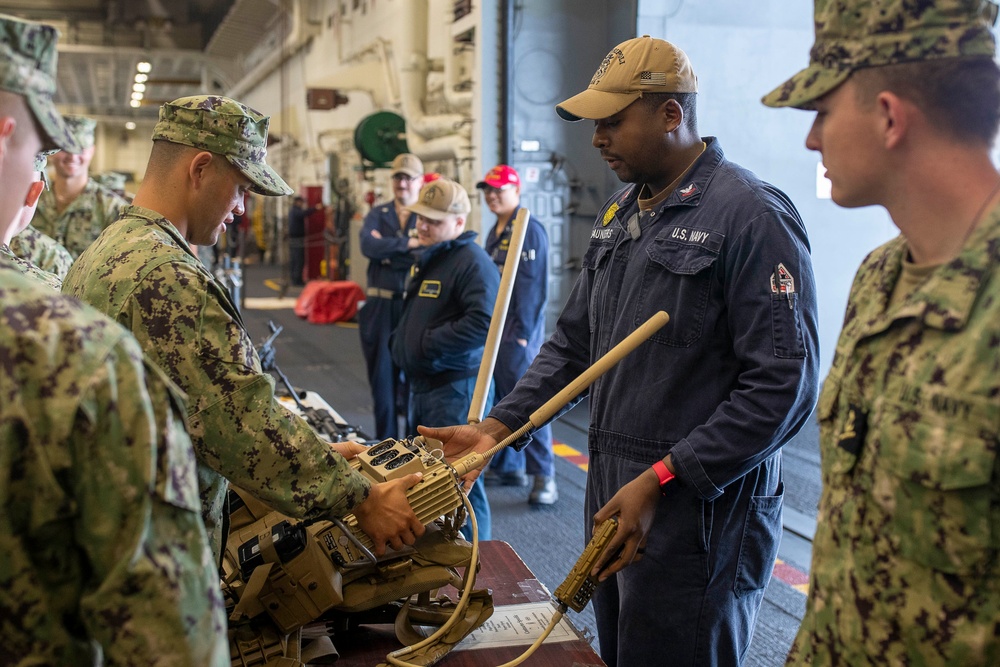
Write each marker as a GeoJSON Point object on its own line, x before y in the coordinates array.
{"type": "Point", "coordinates": [663, 472]}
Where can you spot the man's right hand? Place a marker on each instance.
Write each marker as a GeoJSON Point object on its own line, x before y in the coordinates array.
{"type": "Point", "coordinates": [459, 441]}
{"type": "Point", "coordinates": [386, 515]}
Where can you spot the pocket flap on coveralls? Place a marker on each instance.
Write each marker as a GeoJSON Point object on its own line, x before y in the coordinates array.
{"type": "Point", "coordinates": [594, 255]}
{"type": "Point", "coordinates": [681, 258]}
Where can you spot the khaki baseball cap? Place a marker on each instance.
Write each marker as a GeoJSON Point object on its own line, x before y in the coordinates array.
{"type": "Point", "coordinates": [226, 127]}
{"type": "Point", "coordinates": [855, 34]}
{"type": "Point", "coordinates": [409, 164]}
{"type": "Point", "coordinates": [82, 129]}
{"type": "Point", "coordinates": [441, 198]}
{"type": "Point", "coordinates": [28, 68]}
{"type": "Point", "coordinates": [637, 66]}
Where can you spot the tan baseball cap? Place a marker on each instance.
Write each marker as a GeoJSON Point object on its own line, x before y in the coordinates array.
{"type": "Point", "coordinates": [441, 198]}
{"type": "Point", "coordinates": [409, 164]}
{"type": "Point", "coordinates": [637, 66]}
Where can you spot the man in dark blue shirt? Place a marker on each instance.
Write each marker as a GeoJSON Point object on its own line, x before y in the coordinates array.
{"type": "Point", "coordinates": [446, 315]}
{"type": "Point", "coordinates": [388, 240]}
{"type": "Point", "coordinates": [297, 238]}
{"type": "Point", "coordinates": [523, 331]}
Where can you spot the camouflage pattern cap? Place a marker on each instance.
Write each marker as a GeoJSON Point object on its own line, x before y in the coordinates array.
{"type": "Point", "coordinates": [28, 68]}
{"type": "Point", "coordinates": [226, 127]}
{"type": "Point", "coordinates": [82, 129]}
{"type": "Point", "coordinates": [854, 34]}
{"type": "Point", "coordinates": [113, 180]}
{"type": "Point", "coordinates": [442, 198]}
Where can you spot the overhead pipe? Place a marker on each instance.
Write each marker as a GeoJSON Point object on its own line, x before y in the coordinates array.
{"type": "Point", "coordinates": [302, 32]}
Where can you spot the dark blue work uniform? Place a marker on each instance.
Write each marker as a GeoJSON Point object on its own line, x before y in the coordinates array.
{"type": "Point", "coordinates": [389, 262]}
{"type": "Point", "coordinates": [525, 321]}
{"type": "Point", "coordinates": [440, 339]}
{"type": "Point", "coordinates": [729, 380]}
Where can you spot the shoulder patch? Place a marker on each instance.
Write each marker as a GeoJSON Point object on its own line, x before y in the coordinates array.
{"type": "Point", "coordinates": [782, 281]}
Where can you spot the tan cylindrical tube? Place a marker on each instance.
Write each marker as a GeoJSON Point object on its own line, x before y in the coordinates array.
{"type": "Point", "coordinates": [571, 391]}
{"type": "Point", "coordinates": [518, 230]}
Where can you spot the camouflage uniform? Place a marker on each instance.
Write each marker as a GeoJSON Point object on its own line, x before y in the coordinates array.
{"type": "Point", "coordinates": [28, 269]}
{"type": "Point", "coordinates": [103, 548]}
{"type": "Point", "coordinates": [142, 273]}
{"type": "Point", "coordinates": [905, 555]}
{"type": "Point", "coordinates": [43, 251]}
{"type": "Point", "coordinates": [82, 221]}
{"type": "Point", "coordinates": [905, 559]}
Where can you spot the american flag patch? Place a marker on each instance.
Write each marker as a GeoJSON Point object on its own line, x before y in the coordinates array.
{"type": "Point", "coordinates": [652, 78]}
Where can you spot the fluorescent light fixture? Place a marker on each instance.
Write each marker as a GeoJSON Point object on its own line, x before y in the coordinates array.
{"type": "Point", "coordinates": [531, 146]}
{"type": "Point", "coordinates": [130, 125]}
{"type": "Point", "coordinates": [135, 103]}
{"type": "Point", "coordinates": [141, 78]}
{"type": "Point", "coordinates": [143, 67]}
{"type": "Point", "coordinates": [139, 87]}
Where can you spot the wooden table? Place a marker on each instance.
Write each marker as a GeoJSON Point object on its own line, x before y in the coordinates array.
{"type": "Point", "coordinates": [512, 582]}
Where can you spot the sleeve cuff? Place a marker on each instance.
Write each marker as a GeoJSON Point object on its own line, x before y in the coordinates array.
{"type": "Point", "coordinates": [689, 469]}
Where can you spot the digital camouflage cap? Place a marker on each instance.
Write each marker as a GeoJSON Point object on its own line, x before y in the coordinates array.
{"type": "Point", "coordinates": [82, 129]}
{"type": "Point", "coordinates": [28, 68]}
{"type": "Point", "coordinates": [113, 180]}
{"type": "Point", "coordinates": [226, 127]}
{"type": "Point", "coordinates": [854, 34]}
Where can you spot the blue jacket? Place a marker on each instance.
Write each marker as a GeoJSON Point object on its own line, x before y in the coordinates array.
{"type": "Point", "coordinates": [526, 313]}
{"type": "Point", "coordinates": [446, 313]}
{"type": "Point", "coordinates": [389, 259]}
{"type": "Point", "coordinates": [733, 375]}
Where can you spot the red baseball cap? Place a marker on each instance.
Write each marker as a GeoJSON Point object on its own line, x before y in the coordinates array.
{"type": "Point", "coordinates": [499, 176]}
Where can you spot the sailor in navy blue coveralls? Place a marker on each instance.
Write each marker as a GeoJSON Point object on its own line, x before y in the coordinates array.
{"type": "Point", "coordinates": [390, 252]}
{"type": "Point", "coordinates": [727, 382]}
{"type": "Point", "coordinates": [524, 329]}
{"type": "Point", "coordinates": [712, 396]}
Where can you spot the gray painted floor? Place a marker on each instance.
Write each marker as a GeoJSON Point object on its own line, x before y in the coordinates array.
{"type": "Point", "coordinates": [327, 359]}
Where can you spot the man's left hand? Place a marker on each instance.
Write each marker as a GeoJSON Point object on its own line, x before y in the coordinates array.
{"type": "Point", "coordinates": [348, 448]}
{"type": "Point", "coordinates": [635, 506]}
